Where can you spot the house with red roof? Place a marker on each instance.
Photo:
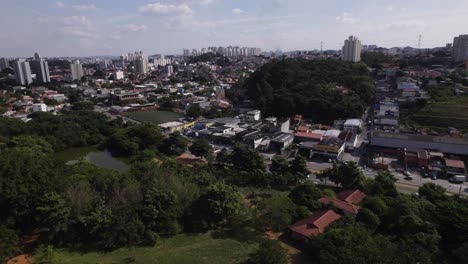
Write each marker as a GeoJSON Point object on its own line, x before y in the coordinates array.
{"type": "Point", "coordinates": [343, 206]}
{"type": "Point", "coordinates": [351, 196]}
{"type": "Point", "coordinates": [345, 201]}
{"type": "Point", "coordinates": [305, 229]}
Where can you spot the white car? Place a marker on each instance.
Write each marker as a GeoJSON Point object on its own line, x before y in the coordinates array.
{"type": "Point", "coordinates": [407, 173]}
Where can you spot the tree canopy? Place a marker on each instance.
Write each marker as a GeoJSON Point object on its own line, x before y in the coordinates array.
{"type": "Point", "coordinates": [312, 88]}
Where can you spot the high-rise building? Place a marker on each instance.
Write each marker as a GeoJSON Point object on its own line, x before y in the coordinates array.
{"type": "Point", "coordinates": [460, 48]}
{"type": "Point", "coordinates": [22, 72]}
{"type": "Point", "coordinates": [352, 49]}
{"type": "Point", "coordinates": [104, 64]}
{"type": "Point", "coordinates": [4, 63]}
{"type": "Point", "coordinates": [168, 69]}
{"type": "Point", "coordinates": [186, 52]}
{"type": "Point", "coordinates": [76, 70]}
{"type": "Point", "coordinates": [141, 63]}
{"type": "Point", "coordinates": [41, 68]}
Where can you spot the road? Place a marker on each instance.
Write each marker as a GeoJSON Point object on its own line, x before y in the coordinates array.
{"type": "Point", "coordinates": [112, 117]}
{"type": "Point", "coordinates": [407, 186]}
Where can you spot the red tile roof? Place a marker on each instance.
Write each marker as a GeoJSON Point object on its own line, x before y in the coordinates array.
{"type": "Point", "coordinates": [351, 196]}
{"type": "Point", "coordinates": [344, 206]}
{"type": "Point", "coordinates": [455, 163]}
{"type": "Point", "coordinates": [315, 224]}
{"type": "Point", "coordinates": [308, 135]}
{"type": "Point", "coordinates": [302, 129]}
{"type": "Point", "coordinates": [190, 159]}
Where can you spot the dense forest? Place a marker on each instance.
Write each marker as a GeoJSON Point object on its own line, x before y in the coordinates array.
{"type": "Point", "coordinates": [85, 208]}
{"type": "Point", "coordinates": [323, 90]}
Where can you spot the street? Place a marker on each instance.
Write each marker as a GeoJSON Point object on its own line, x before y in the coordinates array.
{"type": "Point", "coordinates": [406, 186]}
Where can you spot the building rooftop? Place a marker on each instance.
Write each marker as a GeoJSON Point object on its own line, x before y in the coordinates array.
{"type": "Point", "coordinates": [455, 163]}
{"type": "Point", "coordinates": [353, 122]}
{"type": "Point", "coordinates": [315, 224]}
{"type": "Point", "coordinates": [336, 142]}
{"type": "Point", "coordinates": [351, 196]}
{"type": "Point", "coordinates": [342, 205]}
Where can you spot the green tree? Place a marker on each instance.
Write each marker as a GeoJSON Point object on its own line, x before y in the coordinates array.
{"type": "Point", "coordinates": [245, 158]}
{"type": "Point", "coordinates": [298, 168]}
{"type": "Point", "coordinates": [353, 244]}
{"type": "Point", "coordinates": [279, 165]}
{"type": "Point", "coordinates": [383, 185]}
{"type": "Point", "coordinates": [52, 214]}
{"type": "Point", "coordinates": [269, 252]}
{"type": "Point", "coordinates": [8, 243]}
{"type": "Point", "coordinates": [432, 192]}
{"type": "Point", "coordinates": [306, 195]}
{"type": "Point", "coordinates": [201, 148]}
{"type": "Point", "coordinates": [219, 203]}
{"type": "Point", "coordinates": [368, 217]}
{"type": "Point", "coordinates": [194, 111]}
{"type": "Point", "coordinates": [348, 175]}
{"type": "Point", "coordinates": [277, 213]}
{"type": "Point", "coordinates": [46, 255]}
{"type": "Point", "coordinates": [175, 144]}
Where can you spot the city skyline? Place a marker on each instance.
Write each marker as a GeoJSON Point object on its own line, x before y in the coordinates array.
{"type": "Point", "coordinates": [87, 28]}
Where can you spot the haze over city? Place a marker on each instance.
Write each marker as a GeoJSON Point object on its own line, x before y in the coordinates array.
{"type": "Point", "coordinates": [83, 28]}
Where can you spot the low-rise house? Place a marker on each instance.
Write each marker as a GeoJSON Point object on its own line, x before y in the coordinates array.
{"type": "Point", "coordinates": [281, 142]}
{"type": "Point", "coordinates": [454, 167]}
{"type": "Point", "coordinates": [346, 208]}
{"type": "Point", "coordinates": [305, 229]}
{"type": "Point", "coordinates": [350, 139]}
{"type": "Point", "coordinates": [331, 148]}
{"type": "Point", "coordinates": [352, 125]}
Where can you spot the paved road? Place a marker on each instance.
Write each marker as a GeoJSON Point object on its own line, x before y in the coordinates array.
{"type": "Point", "coordinates": [401, 184]}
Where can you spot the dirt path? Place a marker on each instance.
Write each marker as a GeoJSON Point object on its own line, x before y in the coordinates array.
{"type": "Point", "coordinates": [21, 259]}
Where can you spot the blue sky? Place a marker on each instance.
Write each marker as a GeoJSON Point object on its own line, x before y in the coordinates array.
{"type": "Point", "coordinates": [113, 27]}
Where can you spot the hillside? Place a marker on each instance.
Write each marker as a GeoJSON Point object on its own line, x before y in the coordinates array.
{"type": "Point", "coordinates": [323, 90]}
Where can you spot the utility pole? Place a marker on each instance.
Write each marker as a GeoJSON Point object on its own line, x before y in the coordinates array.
{"type": "Point", "coordinates": [419, 43]}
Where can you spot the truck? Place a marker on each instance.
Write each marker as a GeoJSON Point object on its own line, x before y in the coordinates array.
{"type": "Point", "coordinates": [458, 178]}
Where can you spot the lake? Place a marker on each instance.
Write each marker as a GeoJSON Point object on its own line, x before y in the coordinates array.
{"type": "Point", "coordinates": [102, 159]}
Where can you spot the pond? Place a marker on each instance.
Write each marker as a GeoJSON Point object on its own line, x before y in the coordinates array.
{"type": "Point", "coordinates": [102, 159]}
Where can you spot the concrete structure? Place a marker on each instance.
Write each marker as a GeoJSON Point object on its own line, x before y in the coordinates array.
{"type": "Point", "coordinates": [331, 148]}
{"type": "Point", "coordinates": [76, 70]}
{"type": "Point", "coordinates": [22, 72]}
{"type": "Point", "coordinates": [141, 64]}
{"type": "Point", "coordinates": [39, 108]}
{"type": "Point", "coordinates": [41, 68]}
{"type": "Point", "coordinates": [281, 142]}
{"type": "Point", "coordinates": [460, 48]}
{"type": "Point", "coordinates": [253, 115]}
{"type": "Point", "coordinates": [394, 140]}
{"type": "Point", "coordinates": [118, 75]}
{"type": "Point", "coordinates": [352, 49]}
{"type": "Point", "coordinates": [168, 70]}
{"type": "Point", "coordinates": [352, 125]}
{"type": "Point", "coordinates": [4, 63]}
{"type": "Point", "coordinates": [104, 64]}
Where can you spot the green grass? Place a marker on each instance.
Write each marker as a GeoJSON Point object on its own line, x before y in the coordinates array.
{"type": "Point", "coordinates": [179, 249]}
{"type": "Point", "coordinates": [155, 116]}
{"type": "Point", "coordinates": [439, 115]}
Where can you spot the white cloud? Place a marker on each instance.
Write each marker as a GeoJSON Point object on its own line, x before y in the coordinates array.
{"type": "Point", "coordinates": [166, 9]}
{"type": "Point", "coordinates": [89, 7]}
{"type": "Point", "coordinates": [76, 32]}
{"type": "Point", "coordinates": [74, 21]}
{"type": "Point", "coordinates": [237, 11]}
{"type": "Point", "coordinates": [59, 4]}
{"type": "Point", "coordinates": [347, 18]}
{"type": "Point", "coordinates": [206, 2]}
{"type": "Point", "coordinates": [134, 28]}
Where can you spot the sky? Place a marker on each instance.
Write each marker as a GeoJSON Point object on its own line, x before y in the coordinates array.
{"type": "Point", "coordinates": [114, 27]}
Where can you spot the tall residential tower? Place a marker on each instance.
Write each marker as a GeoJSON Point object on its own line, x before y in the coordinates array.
{"type": "Point", "coordinates": [460, 48]}
{"type": "Point", "coordinates": [22, 72]}
{"type": "Point", "coordinates": [41, 68]}
{"type": "Point", "coordinates": [352, 49]}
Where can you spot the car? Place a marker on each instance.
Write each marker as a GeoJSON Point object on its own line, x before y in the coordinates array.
{"type": "Point", "coordinates": [408, 178]}
{"type": "Point", "coordinates": [407, 173]}
{"type": "Point", "coordinates": [434, 177]}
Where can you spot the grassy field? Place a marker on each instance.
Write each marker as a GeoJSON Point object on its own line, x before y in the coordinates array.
{"type": "Point", "coordinates": [179, 249]}
{"type": "Point", "coordinates": [440, 115]}
{"type": "Point", "coordinates": [156, 116]}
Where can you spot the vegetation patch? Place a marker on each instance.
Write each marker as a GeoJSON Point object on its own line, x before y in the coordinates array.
{"type": "Point", "coordinates": [155, 117]}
